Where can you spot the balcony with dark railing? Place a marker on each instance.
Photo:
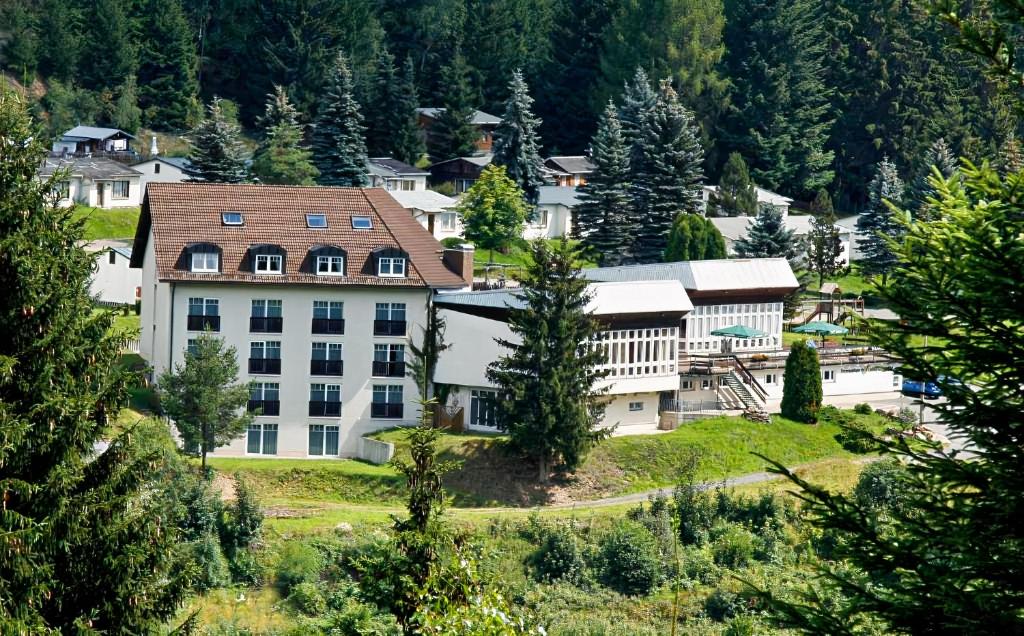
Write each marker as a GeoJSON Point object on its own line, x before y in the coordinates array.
{"type": "Point", "coordinates": [266, 324]}
{"type": "Point", "coordinates": [319, 408]}
{"type": "Point", "coordinates": [385, 369]}
{"type": "Point", "coordinates": [203, 323]}
{"type": "Point", "coordinates": [326, 367]}
{"type": "Point", "coordinates": [266, 366]}
{"type": "Point", "coordinates": [265, 407]}
{"type": "Point", "coordinates": [389, 327]}
{"type": "Point", "coordinates": [329, 326]}
{"type": "Point", "coordinates": [386, 410]}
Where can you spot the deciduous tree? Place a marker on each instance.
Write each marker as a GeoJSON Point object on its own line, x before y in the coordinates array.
{"type": "Point", "coordinates": [493, 210]}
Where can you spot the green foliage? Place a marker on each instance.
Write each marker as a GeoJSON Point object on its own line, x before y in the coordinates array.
{"type": "Point", "coordinates": [456, 136]}
{"type": "Point", "coordinates": [863, 409]}
{"type": "Point", "coordinates": [801, 389]}
{"type": "Point", "coordinates": [600, 220]}
{"type": "Point", "coordinates": [493, 210]}
{"type": "Point", "coordinates": [824, 247]}
{"type": "Point", "coordinates": [768, 237]}
{"type": "Point", "coordinates": [694, 238]}
{"type": "Point", "coordinates": [203, 396]}
{"type": "Point", "coordinates": [882, 487]}
{"type": "Point", "coordinates": [339, 150]}
{"type": "Point", "coordinates": [169, 89]}
{"type": "Point", "coordinates": [281, 157]}
{"type": "Point", "coordinates": [558, 557]}
{"type": "Point", "coordinates": [881, 223]}
{"type": "Point", "coordinates": [407, 139]}
{"type": "Point", "coordinates": [217, 153]}
{"type": "Point", "coordinates": [516, 144]}
{"type": "Point", "coordinates": [856, 436]}
{"type": "Point", "coordinates": [298, 563]}
{"type": "Point", "coordinates": [736, 195]}
{"type": "Point", "coordinates": [213, 567]}
{"type": "Point", "coordinates": [732, 545]}
{"type": "Point", "coordinates": [939, 158]}
{"type": "Point", "coordinates": [424, 356]}
{"type": "Point", "coordinates": [126, 113]}
{"type": "Point", "coordinates": [548, 402]}
{"type": "Point", "coordinates": [108, 66]}
{"type": "Point", "coordinates": [724, 604]}
{"type": "Point", "coordinates": [244, 519]}
{"type": "Point", "coordinates": [631, 561]}
{"type": "Point", "coordinates": [307, 598]}
{"type": "Point", "coordinates": [87, 536]}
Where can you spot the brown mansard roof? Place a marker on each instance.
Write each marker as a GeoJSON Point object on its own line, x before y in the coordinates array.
{"type": "Point", "coordinates": [184, 214]}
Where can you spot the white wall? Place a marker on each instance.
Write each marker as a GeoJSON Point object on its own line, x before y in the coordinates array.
{"type": "Point", "coordinates": [617, 410]}
{"type": "Point", "coordinates": [472, 349]}
{"type": "Point", "coordinates": [704, 319]}
{"type": "Point", "coordinates": [84, 191]}
{"type": "Point", "coordinates": [114, 282]}
{"type": "Point", "coordinates": [558, 223]}
{"type": "Point", "coordinates": [167, 174]}
{"type": "Point", "coordinates": [441, 233]}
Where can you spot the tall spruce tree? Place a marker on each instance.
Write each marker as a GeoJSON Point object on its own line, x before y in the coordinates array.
{"type": "Point", "coordinates": [109, 65]}
{"type": "Point", "coordinates": [87, 537]}
{"type": "Point", "coordinates": [168, 63]}
{"type": "Point", "coordinates": [217, 155]}
{"type": "Point", "coordinates": [801, 384]}
{"type": "Point", "coordinates": [768, 237]}
{"type": "Point", "coordinates": [407, 138]}
{"type": "Point", "coordinates": [601, 219]}
{"type": "Point", "coordinates": [61, 21]}
{"type": "Point", "coordinates": [939, 157]}
{"type": "Point", "coordinates": [281, 157]}
{"type": "Point", "coordinates": [668, 174]}
{"type": "Point", "coordinates": [517, 145]}
{"type": "Point", "coordinates": [455, 133]}
{"type": "Point", "coordinates": [339, 150]}
{"type": "Point", "coordinates": [382, 107]}
{"type": "Point", "coordinates": [880, 222]}
{"type": "Point", "coordinates": [736, 195]}
{"type": "Point", "coordinates": [638, 98]}
{"type": "Point", "coordinates": [548, 401]}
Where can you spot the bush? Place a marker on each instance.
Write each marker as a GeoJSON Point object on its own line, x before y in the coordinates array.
{"type": "Point", "coordinates": [856, 437]}
{"type": "Point", "coordinates": [243, 518]}
{"type": "Point", "coordinates": [453, 242]}
{"type": "Point", "coordinates": [723, 604]}
{"type": "Point", "coordinates": [882, 486]}
{"type": "Point", "coordinates": [699, 565]}
{"type": "Point", "coordinates": [245, 568]}
{"type": "Point", "coordinates": [801, 387]}
{"type": "Point", "coordinates": [631, 562]}
{"type": "Point", "coordinates": [558, 558]}
{"type": "Point", "coordinates": [657, 518]}
{"type": "Point", "coordinates": [213, 567]}
{"type": "Point", "coordinates": [300, 563]}
{"type": "Point", "coordinates": [307, 599]}
{"type": "Point", "coordinates": [696, 511]}
{"type": "Point", "coordinates": [732, 545]}
{"type": "Point", "coordinates": [907, 417]}
{"type": "Point", "coordinates": [863, 409]}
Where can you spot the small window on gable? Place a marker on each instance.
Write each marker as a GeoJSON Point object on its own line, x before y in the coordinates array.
{"type": "Point", "coordinates": [362, 223]}
{"type": "Point", "coordinates": [269, 263]}
{"type": "Point", "coordinates": [330, 265]}
{"type": "Point", "coordinates": [205, 262]}
{"type": "Point", "coordinates": [391, 266]}
{"type": "Point", "coordinates": [232, 218]}
{"type": "Point", "coordinates": [316, 220]}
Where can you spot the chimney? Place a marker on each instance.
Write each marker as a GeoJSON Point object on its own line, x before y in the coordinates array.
{"type": "Point", "coordinates": [460, 261]}
{"type": "Point", "coordinates": [153, 150]}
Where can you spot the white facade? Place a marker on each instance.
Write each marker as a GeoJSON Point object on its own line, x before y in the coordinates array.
{"type": "Point", "coordinates": [433, 210]}
{"type": "Point", "coordinates": [121, 192]}
{"type": "Point", "coordinates": [550, 220]}
{"type": "Point", "coordinates": [764, 197]}
{"type": "Point", "coordinates": [159, 170]}
{"type": "Point", "coordinates": [114, 281]}
{"type": "Point", "coordinates": [734, 228]}
{"type": "Point", "coordinates": [764, 316]}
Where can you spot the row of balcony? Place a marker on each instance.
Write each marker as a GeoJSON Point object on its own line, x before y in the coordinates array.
{"type": "Point", "coordinates": [380, 368]}
{"type": "Point", "coordinates": [317, 408]}
{"type": "Point", "coordinates": [320, 326]}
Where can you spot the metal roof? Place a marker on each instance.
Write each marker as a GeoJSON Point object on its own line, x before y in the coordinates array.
{"type": "Point", "coordinates": [480, 118]}
{"type": "Point", "coordinates": [618, 298]}
{"type": "Point", "coordinates": [715, 275]}
{"type": "Point", "coordinates": [423, 200]}
{"type": "Point", "coordinates": [94, 132]}
{"type": "Point", "coordinates": [88, 167]}
{"type": "Point", "coordinates": [558, 195]}
{"type": "Point", "coordinates": [388, 167]}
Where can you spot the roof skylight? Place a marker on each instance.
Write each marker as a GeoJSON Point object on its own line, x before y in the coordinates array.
{"type": "Point", "coordinates": [316, 220]}
{"type": "Point", "coordinates": [362, 223]}
{"type": "Point", "coordinates": [232, 218]}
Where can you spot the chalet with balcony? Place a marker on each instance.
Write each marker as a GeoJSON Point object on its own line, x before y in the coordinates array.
{"type": "Point", "coordinates": [93, 141]}
{"type": "Point", "coordinates": [569, 172]}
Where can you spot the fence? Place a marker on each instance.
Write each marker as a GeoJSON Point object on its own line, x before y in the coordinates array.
{"type": "Point", "coordinates": [130, 346]}
{"type": "Point", "coordinates": [374, 451]}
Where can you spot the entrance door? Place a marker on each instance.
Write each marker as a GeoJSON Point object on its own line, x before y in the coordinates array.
{"type": "Point", "coordinates": [99, 194]}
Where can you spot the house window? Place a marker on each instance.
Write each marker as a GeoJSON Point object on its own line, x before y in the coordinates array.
{"type": "Point", "coordinates": [268, 263]}
{"type": "Point", "coordinates": [389, 360]}
{"type": "Point", "coordinates": [265, 357]}
{"type": "Point", "coordinates": [262, 439]}
{"type": "Point", "coordinates": [63, 190]}
{"type": "Point", "coordinates": [325, 359]}
{"type": "Point", "coordinates": [156, 168]}
{"type": "Point", "coordinates": [266, 316]}
{"type": "Point", "coordinates": [327, 317]}
{"type": "Point", "coordinates": [205, 262]}
{"type": "Point", "coordinates": [325, 400]}
{"type": "Point", "coordinates": [770, 378]}
{"type": "Point", "coordinates": [483, 408]}
{"type": "Point", "coordinates": [203, 314]}
{"type": "Point", "coordinates": [112, 257]}
{"type": "Point", "coordinates": [192, 347]}
{"type": "Point", "coordinates": [391, 266]}
{"type": "Point", "coordinates": [323, 440]}
{"type": "Point", "coordinates": [120, 189]}
{"type": "Point", "coordinates": [705, 385]}
{"type": "Point", "coordinates": [362, 223]}
{"type": "Point", "coordinates": [316, 220]}
{"type": "Point", "coordinates": [636, 406]}
{"type": "Point", "coordinates": [265, 397]}
{"type": "Point", "coordinates": [828, 375]}
{"type": "Point", "coordinates": [330, 265]}
{"type": "Point", "coordinates": [686, 385]}
{"type": "Point", "coordinates": [447, 220]}
{"type": "Point", "coordinates": [387, 401]}
{"type": "Point", "coordinates": [389, 319]}
{"type": "Point", "coordinates": [541, 218]}
{"type": "Point", "coordinates": [231, 218]}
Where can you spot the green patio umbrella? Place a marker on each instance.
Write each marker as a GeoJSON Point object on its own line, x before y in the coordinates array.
{"type": "Point", "coordinates": [822, 329]}
{"type": "Point", "coordinates": [739, 331]}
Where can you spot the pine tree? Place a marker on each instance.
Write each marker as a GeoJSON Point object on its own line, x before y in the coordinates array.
{"type": "Point", "coordinates": [801, 384]}
{"type": "Point", "coordinates": [61, 21]}
{"type": "Point", "coordinates": [939, 157]}
{"type": "Point", "coordinates": [111, 64]}
{"type": "Point", "coordinates": [638, 99]}
{"type": "Point", "coordinates": [453, 127]}
{"type": "Point", "coordinates": [694, 238]}
{"type": "Point", "coordinates": [736, 195]}
{"type": "Point", "coordinates": [217, 155]}
{"type": "Point", "coordinates": [548, 402]}
{"type": "Point", "coordinates": [517, 146]}
{"type": "Point", "coordinates": [493, 210]}
{"type": "Point", "coordinates": [21, 49]}
{"type": "Point", "coordinates": [168, 65]}
{"type": "Point", "coordinates": [668, 174]}
{"type": "Point", "coordinates": [407, 138]}
{"type": "Point", "coordinates": [126, 114]}
{"type": "Point", "coordinates": [768, 237]}
{"type": "Point", "coordinates": [1011, 156]}
{"type": "Point", "coordinates": [383, 107]}
{"type": "Point", "coordinates": [203, 396]}
{"type": "Point", "coordinates": [281, 157]}
{"type": "Point", "coordinates": [824, 247]}
{"type": "Point", "coordinates": [87, 537]}
{"type": "Point", "coordinates": [339, 150]}
{"type": "Point", "coordinates": [601, 220]}
{"type": "Point", "coordinates": [880, 223]}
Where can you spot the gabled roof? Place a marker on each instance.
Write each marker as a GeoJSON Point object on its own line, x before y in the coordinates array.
{"type": "Point", "coordinates": [181, 163]}
{"type": "Point", "coordinates": [723, 275]}
{"type": "Point", "coordinates": [388, 167]}
{"type": "Point", "coordinates": [87, 167]}
{"type": "Point", "coordinates": [480, 118]}
{"type": "Point", "coordinates": [93, 132]}
{"type": "Point", "coordinates": [181, 214]}
{"type": "Point", "coordinates": [558, 195]}
{"type": "Point", "coordinates": [477, 160]}
{"type": "Point", "coordinates": [577, 164]}
{"type": "Point", "coordinates": [763, 196]}
{"type": "Point", "coordinates": [423, 200]}
{"type": "Point", "coordinates": [122, 247]}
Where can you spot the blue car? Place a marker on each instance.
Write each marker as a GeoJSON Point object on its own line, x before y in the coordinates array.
{"type": "Point", "coordinates": [917, 388]}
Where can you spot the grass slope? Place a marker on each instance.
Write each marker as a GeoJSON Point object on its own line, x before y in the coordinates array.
{"type": "Point", "coordinates": [108, 224]}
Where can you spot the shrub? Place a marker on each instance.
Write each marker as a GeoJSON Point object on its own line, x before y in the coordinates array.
{"type": "Point", "coordinates": [863, 409]}
{"type": "Point", "coordinates": [696, 511]}
{"type": "Point", "coordinates": [699, 565]}
{"type": "Point", "coordinates": [300, 563]}
{"type": "Point", "coordinates": [243, 518]}
{"type": "Point", "coordinates": [742, 626]}
{"type": "Point", "coordinates": [732, 545]}
{"type": "Point", "coordinates": [245, 568]}
{"type": "Point", "coordinates": [856, 437]}
{"type": "Point", "coordinates": [452, 242]}
{"type": "Point", "coordinates": [657, 518]}
{"type": "Point", "coordinates": [723, 604]}
{"type": "Point", "coordinates": [882, 486]}
{"type": "Point", "coordinates": [558, 558]}
{"type": "Point", "coordinates": [907, 417]}
{"type": "Point", "coordinates": [631, 563]}
{"type": "Point", "coordinates": [213, 567]}
{"type": "Point", "coordinates": [307, 599]}
{"type": "Point", "coordinates": [801, 388]}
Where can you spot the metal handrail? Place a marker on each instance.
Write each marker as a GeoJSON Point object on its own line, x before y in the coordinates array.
{"type": "Point", "coordinates": [750, 380]}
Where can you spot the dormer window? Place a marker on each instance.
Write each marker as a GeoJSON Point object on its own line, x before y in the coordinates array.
{"type": "Point", "coordinates": [316, 220]}
{"type": "Point", "coordinates": [230, 218]}
{"type": "Point", "coordinates": [330, 265]}
{"type": "Point", "coordinates": [269, 264]}
{"type": "Point", "coordinates": [205, 262]}
{"type": "Point", "coordinates": [362, 223]}
{"type": "Point", "coordinates": [391, 266]}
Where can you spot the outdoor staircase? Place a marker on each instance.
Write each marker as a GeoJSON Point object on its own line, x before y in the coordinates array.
{"type": "Point", "coordinates": [754, 408]}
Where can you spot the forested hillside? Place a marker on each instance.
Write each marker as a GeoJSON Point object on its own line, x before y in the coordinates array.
{"type": "Point", "coordinates": [811, 93]}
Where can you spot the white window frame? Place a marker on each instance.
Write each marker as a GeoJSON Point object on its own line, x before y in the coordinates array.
{"type": "Point", "coordinates": [393, 265]}
{"type": "Point", "coordinates": [323, 430]}
{"type": "Point", "coordinates": [117, 185]}
{"type": "Point", "coordinates": [828, 375]}
{"type": "Point", "coordinates": [543, 218]}
{"type": "Point", "coordinates": [447, 220]}
{"type": "Point", "coordinates": [686, 385]}
{"type": "Point", "coordinates": [264, 264]}
{"type": "Point", "coordinates": [362, 222]}
{"type": "Point", "coordinates": [706, 385]}
{"type": "Point", "coordinates": [636, 406]}
{"type": "Point", "coordinates": [477, 408]}
{"type": "Point", "coordinates": [202, 264]}
{"type": "Point", "coordinates": [315, 225]}
{"type": "Point", "coordinates": [330, 262]}
{"type": "Point", "coordinates": [771, 378]}
{"type": "Point", "coordinates": [263, 428]}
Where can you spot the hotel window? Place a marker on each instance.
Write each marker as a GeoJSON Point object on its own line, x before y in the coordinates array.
{"type": "Point", "coordinates": [120, 189]}
{"type": "Point", "coordinates": [387, 401]}
{"type": "Point", "coordinates": [391, 266]}
{"type": "Point", "coordinates": [324, 400]}
{"type": "Point", "coordinates": [323, 439]}
{"type": "Point", "coordinates": [636, 406]}
{"type": "Point", "coordinates": [266, 316]}
{"type": "Point", "coordinates": [330, 265]}
{"type": "Point", "coordinates": [262, 439]}
{"type": "Point", "coordinates": [192, 346]}
{"type": "Point", "coordinates": [316, 220]}
{"type": "Point", "coordinates": [269, 263]}
{"type": "Point", "coordinates": [482, 408]}
{"type": "Point", "coordinates": [389, 319]}
{"type": "Point", "coordinates": [327, 317]}
{"type": "Point", "coordinates": [265, 357]}
{"type": "Point", "coordinates": [232, 218]}
{"type": "Point", "coordinates": [828, 375]}
{"type": "Point", "coordinates": [265, 397]}
{"type": "Point", "coordinates": [203, 314]}
{"type": "Point", "coordinates": [389, 360]}
{"type": "Point", "coordinates": [362, 223]}
{"type": "Point", "coordinates": [205, 262]}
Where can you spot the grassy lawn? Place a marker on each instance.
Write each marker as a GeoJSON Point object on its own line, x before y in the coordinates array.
{"type": "Point", "coordinates": [108, 224]}
{"type": "Point", "coordinates": [518, 256]}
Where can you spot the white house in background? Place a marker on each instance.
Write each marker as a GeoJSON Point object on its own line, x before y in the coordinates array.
{"type": "Point", "coordinates": [553, 216]}
{"type": "Point", "coordinates": [162, 170]}
{"type": "Point", "coordinates": [435, 211]}
{"type": "Point", "coordinates": [85, 141]}
{"type": "Point", "coordinates": [114, 282]}
{"type": "Point", "coordinates": [319, 290]}
{"type": "Point", "coordinates": [96, 182]}
{"type": "Point", "coordinates": [768, 197]}
{"type": "Point", "coordinates": [571, 171]}
{"type": "Point", "coordinates": [733, 228]}
{"type": "Point", "coordinates": [394, 175]}
{"type": "Point", "coordinates": [849, 224]}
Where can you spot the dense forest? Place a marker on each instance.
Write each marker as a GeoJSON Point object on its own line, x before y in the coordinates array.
{"type": "Point", "coordinates": [811, 93]}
